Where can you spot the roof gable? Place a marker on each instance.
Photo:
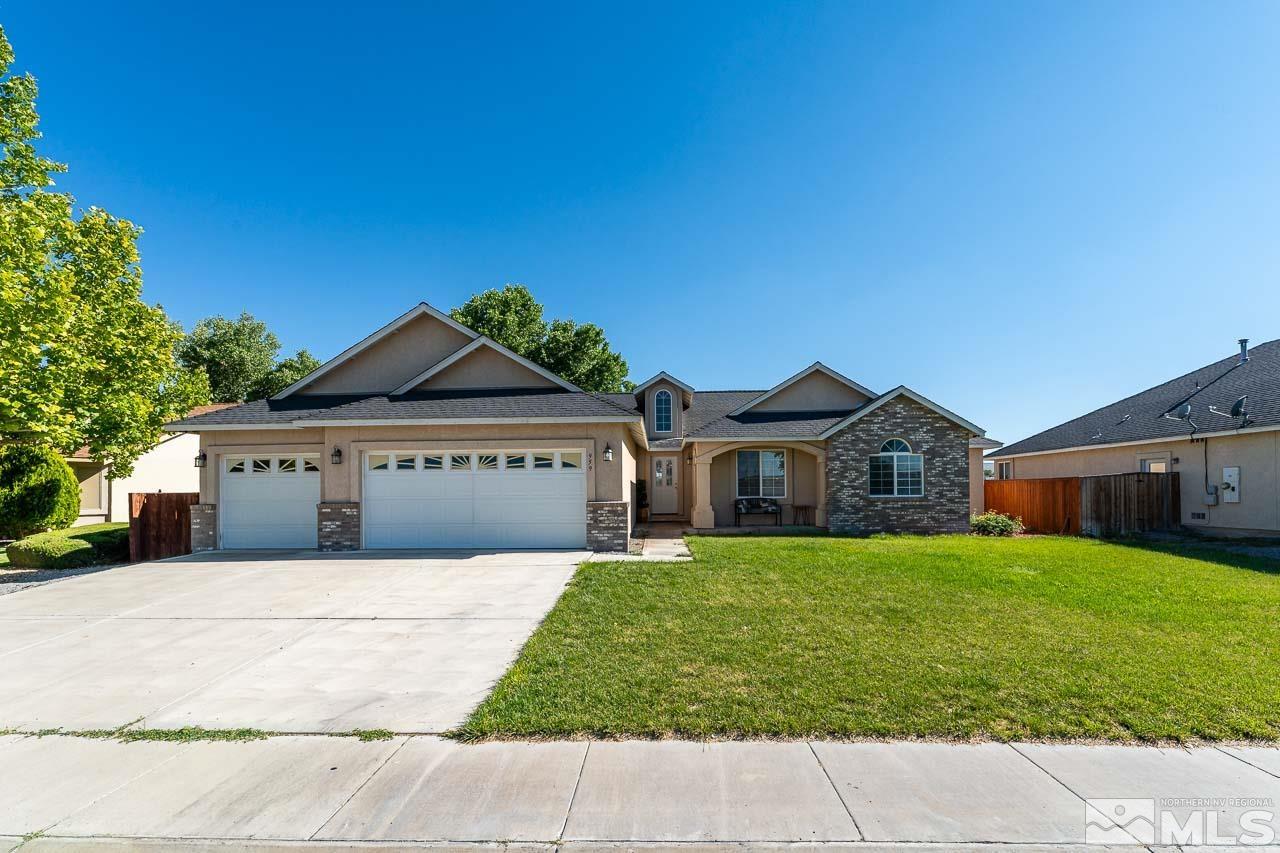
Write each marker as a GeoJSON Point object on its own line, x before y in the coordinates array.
{"type": "Point", "coordinates": [791, 393]}
{"type": "Point", "coordinates": [469, 364]}
{"type": "Point", "coordinates": [904, 391]}
{"type": "Point", "coordinates": [416, 339]}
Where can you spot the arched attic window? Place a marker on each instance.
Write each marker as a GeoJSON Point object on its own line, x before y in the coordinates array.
{"type": "Point", "coordinates": [662, 411]}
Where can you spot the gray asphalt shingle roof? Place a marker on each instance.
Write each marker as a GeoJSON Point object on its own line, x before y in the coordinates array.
{"type": "Point", "coordinates": [1141, 417]}
{"type": "Point", "coordinates": [479, 404]}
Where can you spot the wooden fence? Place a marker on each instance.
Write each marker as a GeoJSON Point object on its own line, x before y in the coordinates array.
{"type": "Point", "coordinates": [1109, 505]}
{"type": "Point", "coordinates": [160, 524]}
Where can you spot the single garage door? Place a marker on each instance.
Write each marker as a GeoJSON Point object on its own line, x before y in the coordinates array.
{"type": "Point", "coordinates": [498, 499]}
{"type": "Point", "coordinates": [269, 501]}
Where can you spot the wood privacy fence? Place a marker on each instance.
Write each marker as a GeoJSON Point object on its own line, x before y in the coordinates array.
{"type": "Point", "coordinates": [1108, 505]}
{"type": "Point", "coordinates": [160, 524]}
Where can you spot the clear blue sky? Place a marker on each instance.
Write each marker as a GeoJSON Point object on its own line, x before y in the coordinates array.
{"type": "Point", "coordinates": [1023, 210]}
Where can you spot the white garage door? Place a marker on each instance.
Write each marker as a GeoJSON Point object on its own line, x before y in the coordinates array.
{"type": "Point", "coordinates": [269, 501]}
{"type": "Point", "coordinates": [497, 499]}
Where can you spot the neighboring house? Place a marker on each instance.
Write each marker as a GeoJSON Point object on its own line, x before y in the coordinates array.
{"type": "Point", "coordinates": [167, 467]}
{"type": "Point", "coordinates": [1229, 464]}
{"type": "Point", "coordinates": [427, 434]}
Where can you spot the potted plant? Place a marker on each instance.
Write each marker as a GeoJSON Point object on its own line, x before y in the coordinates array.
{"type": "Point", "coordinates": [642, 500]}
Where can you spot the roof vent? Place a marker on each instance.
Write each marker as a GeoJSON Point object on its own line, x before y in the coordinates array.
{"type": "Point", "coordinates": [1244, 350]}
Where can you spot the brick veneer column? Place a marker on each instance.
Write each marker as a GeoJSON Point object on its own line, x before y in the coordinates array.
{"type": "Point", "coordinates": [204, 527]}
{"type": "Point", "coordinates": [608, 525]}
{"type": "Point", "coordinates": [338, 526]}
{"type": "Point", "coordinates": [945, 447]}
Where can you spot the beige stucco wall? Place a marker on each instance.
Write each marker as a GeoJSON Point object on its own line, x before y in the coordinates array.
{"type": "Point", "coordinates": [801, 477]}
{"type": "Point", "coordinates": [486, 368]}
{"type": "Point", "coordinates": [94, 498]}
{"type": "Point", "coordinates": [816, 392]}
{"type": "Point", "coordinates": [977, 491]}
{"type": "Point", "coordinates": [167, 467]}
{"type": "Point", "coordinates": [1257, 455]}
{"type": "Point", "coordinates": [394, 360]}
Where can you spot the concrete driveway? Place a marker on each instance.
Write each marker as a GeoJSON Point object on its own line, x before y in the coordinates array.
{"type": "Point", "coordinates": [284, 641]}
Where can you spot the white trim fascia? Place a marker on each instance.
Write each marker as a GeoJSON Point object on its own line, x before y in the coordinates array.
{"type": "Point", "coordinates": [752, 439]}
{"type": "Point", "coordinates": [472, 347]}
{"type": "Point", "coordinates": [598, 419]}
{"type": "Point", "coordinates": [344, 356]}
{"type": "Point", "coordinates": [904, 391]}
{"type": "Point", "coordinates": [662, 376]}
{"type": "Point", "coordinates": [1225, 433]}
{"type": "Point", "coordinates": [211, 427]}
{"type": "Point", "coordinates": [817, 365]}
{"type": "Point", "coordinates": [985, 443]}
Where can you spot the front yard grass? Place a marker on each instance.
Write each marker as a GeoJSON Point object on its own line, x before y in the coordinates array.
{"type": "Point", "coordinates": [892, 637]}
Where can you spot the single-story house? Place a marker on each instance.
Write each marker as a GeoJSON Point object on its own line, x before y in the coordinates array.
{"type": "Point", "coordinates": [1218, 427]}
{"type": "Point", "coordinates": [428, 434]}
{"type": "Point", "coordinates": [164, 468]}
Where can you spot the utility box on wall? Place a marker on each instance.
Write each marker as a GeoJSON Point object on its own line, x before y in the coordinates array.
{"type": "Point", "coordinates": [1231, 484]}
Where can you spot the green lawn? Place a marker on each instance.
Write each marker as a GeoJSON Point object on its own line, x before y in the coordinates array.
{"type": "Point", "coordinates": [954, 636]}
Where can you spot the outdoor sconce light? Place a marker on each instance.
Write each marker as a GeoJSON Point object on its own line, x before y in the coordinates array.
{"type": "Point", "coordinates": [608, 453]}
{"type": "Point", "coordinates": [201, 459]}
{"type": "Point", "coordinates": [336, 456]}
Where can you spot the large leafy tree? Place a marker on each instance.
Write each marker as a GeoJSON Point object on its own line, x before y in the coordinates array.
{"type": "Point", "coordinates": [239, 357]}
{"type": "Point", "coordinates": [579, 352]}
{"type": "Point", "coordinates": [83, 360]}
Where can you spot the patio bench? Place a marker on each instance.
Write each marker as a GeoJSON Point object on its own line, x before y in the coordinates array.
{"type": "Point", "coordinates": [756, 506]}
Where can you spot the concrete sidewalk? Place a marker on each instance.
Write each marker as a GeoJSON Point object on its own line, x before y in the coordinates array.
{"type": "Point", "coordinates": [318, 792]}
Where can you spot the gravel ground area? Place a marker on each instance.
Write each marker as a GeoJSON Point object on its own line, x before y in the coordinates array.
{"type": "Point", "coordinates": [15, 580]}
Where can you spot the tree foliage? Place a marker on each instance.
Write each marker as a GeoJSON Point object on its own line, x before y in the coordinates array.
{"type": "Point", "coordinates": [578, 352]}
{"type": "Point", "coordinates": [83, 361]}
{"type": "Point", "coordinates": [239, 357]}
{"type": "Point", "coordinates": [285, 372]}
{"type": "Point", "coordinates": [38, 491]}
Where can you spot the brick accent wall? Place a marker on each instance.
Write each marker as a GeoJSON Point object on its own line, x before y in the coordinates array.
{"type": "Point", "coordinates": [945, 446]}
{"type": "Point", "coordinates": [608, 525]}
{"type": "Point", "coordinates": [204, 527]}
{"type": "Point", "coordinates": [338, 526]}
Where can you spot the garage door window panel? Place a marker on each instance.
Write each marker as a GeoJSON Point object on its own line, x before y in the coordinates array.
{"type": "Point", "coordinates": [460, 462]}
{"type": "Point", "coordinates": [406, 463]}
{"type": "Point", "coordinates": [432, 463]}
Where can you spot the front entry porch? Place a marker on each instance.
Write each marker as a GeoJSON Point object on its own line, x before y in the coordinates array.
{"type": "Point", "coordinates": [792, 473]}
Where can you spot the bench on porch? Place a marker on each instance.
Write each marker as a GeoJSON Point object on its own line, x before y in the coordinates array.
{"type": "Point", "coordinates": [756, 506]}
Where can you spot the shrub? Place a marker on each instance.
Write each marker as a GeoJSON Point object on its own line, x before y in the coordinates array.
{"type": "Point", "coordinates": [996, 524]}
{"type": "Point", "coordinates": [71, 549]}
{"type": "Point", "coordinates": [38, 491]}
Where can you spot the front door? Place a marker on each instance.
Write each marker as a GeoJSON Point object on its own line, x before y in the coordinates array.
{"type": "Point", "coordinates": [665, 500]}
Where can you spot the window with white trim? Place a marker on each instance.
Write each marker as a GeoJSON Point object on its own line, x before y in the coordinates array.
{"type": "Point", "coordinates": [762, 474]}
{"type": "Point", "coordinates": [662, 411]}
{"type": "Point", "coordinates": [1004, 470]}
{"type": "Point", "coordinates": [896, 472]}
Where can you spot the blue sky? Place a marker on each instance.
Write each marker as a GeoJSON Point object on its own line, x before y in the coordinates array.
{"type": "Point", "coordinates": [1021, 210]}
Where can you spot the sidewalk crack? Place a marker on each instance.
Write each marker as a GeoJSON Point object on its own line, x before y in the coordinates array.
{"type": "Point", "coordinates": [572, 797]}
{"type": "Point", "coordinates": [835, 788]}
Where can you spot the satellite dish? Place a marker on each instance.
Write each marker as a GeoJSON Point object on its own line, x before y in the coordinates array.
{"type": "Point", "coordinates": [1183, 412]}
{"type": "Point", "coordinates": [1240, 408]}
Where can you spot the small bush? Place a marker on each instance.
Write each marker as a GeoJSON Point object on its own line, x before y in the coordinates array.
{"type": "Point", "coordinates": [38, 491]}
{"type": "Point", "coordinates": [70, 549]}
{"type": "Point", "coordinates": [996, 524]}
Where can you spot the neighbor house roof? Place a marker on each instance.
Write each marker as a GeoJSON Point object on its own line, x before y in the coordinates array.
{"type": "Point", "coordinates": [460, 406]}
{"type": "Point", "coordinates": [1141, 418]}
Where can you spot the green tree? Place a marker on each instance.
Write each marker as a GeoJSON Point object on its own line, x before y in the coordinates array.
{"type": "Point", "coordinates": [237, 355]}
{"type": "Point", "coordinates": [285, 373]}
{"type": "Point", "coordinates": [578, 352]}
{"type": "Point", "coordinates": [83, 361]}
{"type": "Point", "coordinates": [38, 491]}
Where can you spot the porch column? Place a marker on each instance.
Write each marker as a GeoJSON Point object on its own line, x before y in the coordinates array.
{"type": "Point", "coordinates": [703, 514]}
{"type": "Point", "coordinates": [820, 488]}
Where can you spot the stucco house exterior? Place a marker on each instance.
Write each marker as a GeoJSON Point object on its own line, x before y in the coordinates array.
{"type": "Point", "coordinates": [1229, 463]}
{"type": "Point", "coordinates": [427, 434]}
{"type": "Point", "coordinates": [164, 468]}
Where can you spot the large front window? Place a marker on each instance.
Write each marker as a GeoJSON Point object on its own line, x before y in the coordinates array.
{"type": "Point", "coordinates": [662, 411]}
{"type": "Point", "coordinates": [896, 472]}
{"type": "Point", "coordinates": [762, 474]}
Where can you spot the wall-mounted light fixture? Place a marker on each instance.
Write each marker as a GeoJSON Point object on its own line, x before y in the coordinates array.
{"type": "Point", "coordinates": [336, 456]}
{"type": "Point", "coordinates": [608, 453]}
{"type": "Point", "coordinates": [201, 459]}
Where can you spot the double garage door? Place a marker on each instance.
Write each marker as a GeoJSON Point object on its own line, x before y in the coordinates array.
{"type": "Point", "coordinates": [494, 499]}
